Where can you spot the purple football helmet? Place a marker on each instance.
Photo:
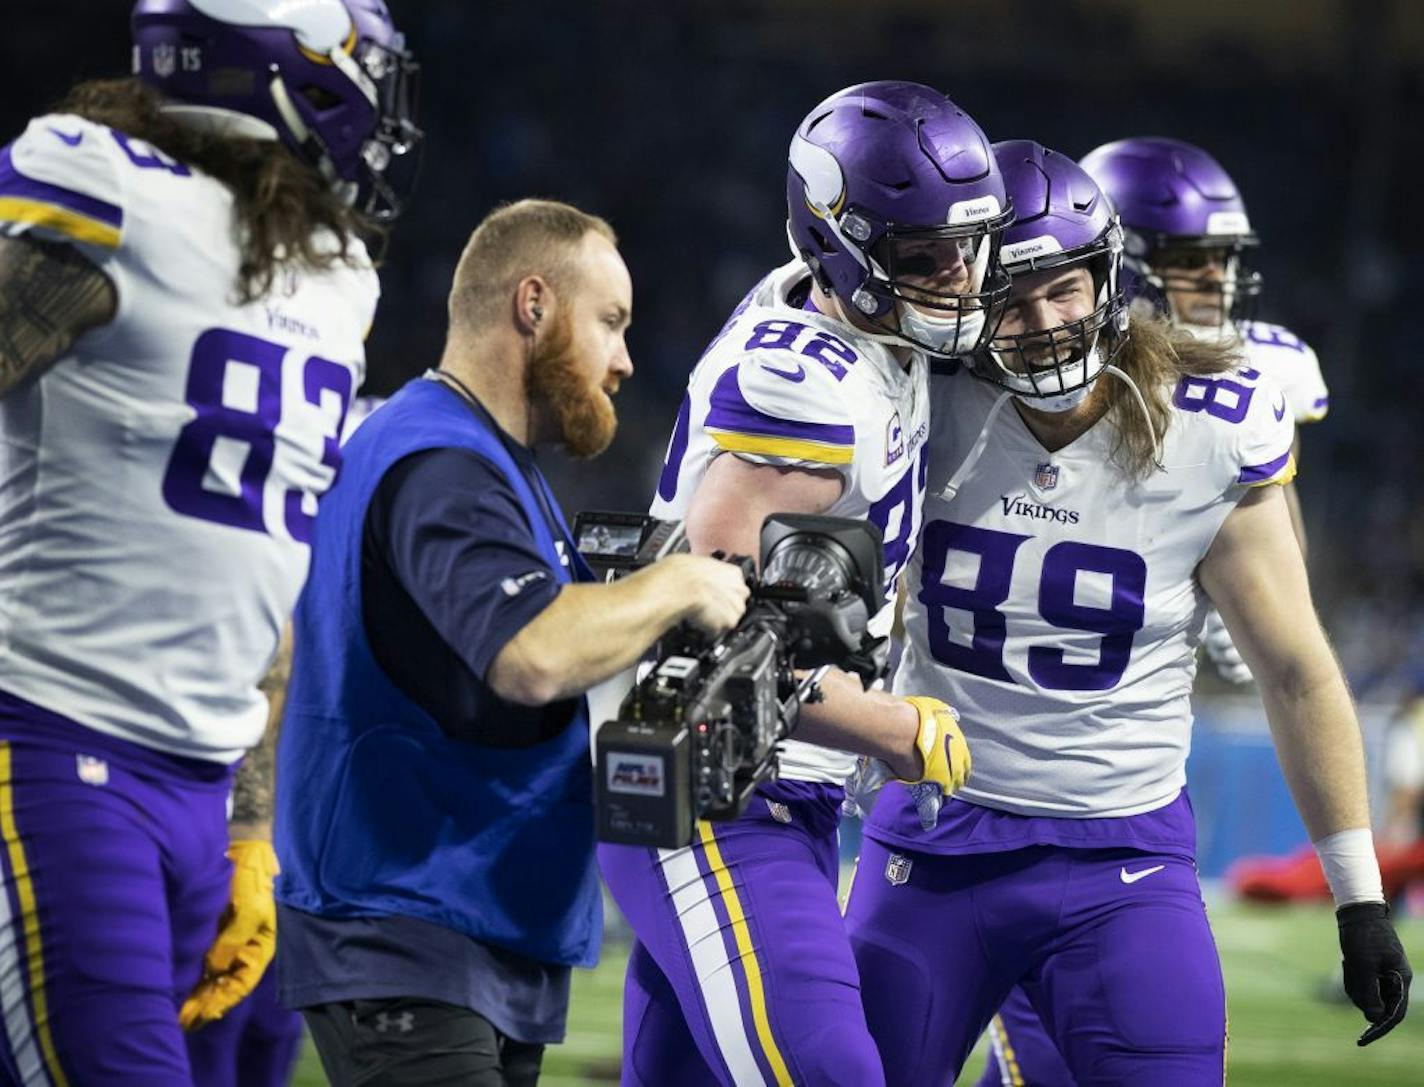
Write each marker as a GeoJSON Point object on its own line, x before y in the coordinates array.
{"type": "Point", "coordinates": [1182, 215]}
{"type": "Point", "coordinates": [331, 78]}
{"type": "Point", "coordinates": [1062, 221]}
{"type": "Point", "coordinates": [896, 205]}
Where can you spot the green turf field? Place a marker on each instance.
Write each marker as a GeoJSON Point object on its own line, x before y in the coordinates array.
{"type": "Point", "coordinates": [1281, 1034]}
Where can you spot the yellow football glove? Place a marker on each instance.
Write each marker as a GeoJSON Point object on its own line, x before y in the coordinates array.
{"type": "Point", "coordinates": [246, 939]}
{"type": "Point", "coordinates": [945, 756]}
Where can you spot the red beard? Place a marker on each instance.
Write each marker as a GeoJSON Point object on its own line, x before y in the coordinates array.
{"type": "Point", "coordinates": [555, 381]}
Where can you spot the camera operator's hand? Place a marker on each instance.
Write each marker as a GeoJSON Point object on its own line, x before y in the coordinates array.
{"type": "Point", "coordinates": [715, 591]}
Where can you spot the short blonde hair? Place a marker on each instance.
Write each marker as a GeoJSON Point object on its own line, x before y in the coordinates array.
{"type": "Point", "coordinates": [529, 237]}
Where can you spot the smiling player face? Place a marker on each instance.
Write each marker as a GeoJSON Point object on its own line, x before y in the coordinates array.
{"type": "Point", "coordinates": [1040, 302]}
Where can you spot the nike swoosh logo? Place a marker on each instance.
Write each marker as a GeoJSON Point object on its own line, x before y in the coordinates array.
{"type": "Point", "coordinates": [1280, 409]}
{"type": "Point", "coordinates": [1133, 877]}
{"type": "Point", "coordinates": [73, 141]}
{"type": "Point", "coordinates": [798, 374]}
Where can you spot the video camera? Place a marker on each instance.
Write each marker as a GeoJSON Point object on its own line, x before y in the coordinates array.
{"type": "Point", "coordinates": [699, 731]}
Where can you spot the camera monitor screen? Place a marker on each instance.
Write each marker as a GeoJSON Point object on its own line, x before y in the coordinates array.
{"type": "Point", "coordinates": [616, 540]}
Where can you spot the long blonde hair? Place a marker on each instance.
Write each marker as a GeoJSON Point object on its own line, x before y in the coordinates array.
{"type": "Point", "coordinates": [1156, 356]}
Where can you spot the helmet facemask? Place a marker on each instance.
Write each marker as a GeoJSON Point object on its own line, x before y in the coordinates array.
{"type": "Point", "coordinates": [387, 76]}
{"type": "Point", "coordinates": [939, 289]}
{"type": "Point", "coordinates": [1178, 265]}
{"type": "Point", "coordinates": [1054, 369]}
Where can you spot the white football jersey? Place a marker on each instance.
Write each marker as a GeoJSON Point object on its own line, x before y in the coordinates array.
{"type": "Point", "coordinates": [790, 386]}
{"type": "Point", "coordinates": [1054, 603]}
{"type": "Point", "coordinates": [1291, 363]}
{"type": "Point", "coordinates": [158, 483]}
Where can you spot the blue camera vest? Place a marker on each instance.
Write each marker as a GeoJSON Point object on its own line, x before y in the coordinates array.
{"type": "Point", "coordinates": [378, 812]}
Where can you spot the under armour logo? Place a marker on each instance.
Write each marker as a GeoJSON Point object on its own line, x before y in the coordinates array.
{"type": "Point", "coordinates": [404, 1022]}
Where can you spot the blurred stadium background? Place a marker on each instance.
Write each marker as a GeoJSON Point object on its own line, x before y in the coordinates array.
{"type": "Point", "coordinates": [673, 119]}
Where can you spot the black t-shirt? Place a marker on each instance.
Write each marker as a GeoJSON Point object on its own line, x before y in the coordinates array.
{"type": "Point", "coordinates": [450, 572]}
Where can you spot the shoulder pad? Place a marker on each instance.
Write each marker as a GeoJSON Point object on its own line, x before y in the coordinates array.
{"type": "Point", "coordinates": [59, 180]}
{"type": "Point", "coordinates": [781, 408]}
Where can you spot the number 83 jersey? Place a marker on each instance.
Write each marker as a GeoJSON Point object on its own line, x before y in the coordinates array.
{"type": "Point", "coordinates": [1053, 601]}
{"type": "Point", "coordinates": [158, 483]}
{"type": "Point", "coordinates": [785, 385]}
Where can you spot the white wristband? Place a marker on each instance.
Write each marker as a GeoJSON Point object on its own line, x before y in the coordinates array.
{"type": "Point", "coordinates": [1351, 869]}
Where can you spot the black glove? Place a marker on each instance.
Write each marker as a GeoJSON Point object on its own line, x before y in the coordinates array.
{"type": "Point", "coordinates": [1377, 974]}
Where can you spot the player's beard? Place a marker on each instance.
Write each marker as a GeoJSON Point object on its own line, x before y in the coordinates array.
{"type": "Point", "coordinates": [556, 381]}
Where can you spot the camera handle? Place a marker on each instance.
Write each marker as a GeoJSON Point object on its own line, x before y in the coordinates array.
{"type": "Point", "coordinates": [807, 691]}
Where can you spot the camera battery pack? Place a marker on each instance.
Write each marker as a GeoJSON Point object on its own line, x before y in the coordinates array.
{"type": "Point", "coordinates": [642, 797]}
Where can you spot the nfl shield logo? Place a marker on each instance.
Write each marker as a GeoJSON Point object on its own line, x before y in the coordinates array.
{"type": "Point", "coordinates": [1045, 476]}
{"type": "Point", "coordinates": [897, 869]}
{"type": "Point", "coordinates": [165, 59]}
{"type": "Point", "coordinates": [91, 770]}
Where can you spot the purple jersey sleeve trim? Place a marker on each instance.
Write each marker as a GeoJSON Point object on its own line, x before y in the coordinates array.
{"type": "Point", "coordinates": [729, 410]}
{"type": "Point", "coordinates": [1260, 473]}
{"type": "Point", "coordinates": [16, 185]}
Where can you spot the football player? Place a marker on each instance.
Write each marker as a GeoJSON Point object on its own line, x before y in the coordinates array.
{"type": "Point", "coordinates": [812, 398]}
{"type": "Point", "coordinates": [1187, 242]}
{"type": "Point", "coordinates": [1188, 245]}
{"type": "Point", "coordinates": [184, 292]}
{"type": "Point", "coordinates": [1095, 482]}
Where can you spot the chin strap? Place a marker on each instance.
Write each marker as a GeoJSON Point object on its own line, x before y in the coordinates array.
{"type": "Point", "coordinates": [1146, 415]}
{"type": "Point", "coordinates": [976, 450]}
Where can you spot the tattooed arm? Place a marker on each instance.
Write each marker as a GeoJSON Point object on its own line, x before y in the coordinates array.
{"type": "Point", "coordinates": [252, 791]}
{"type": "Point", "coordinates": [50, 293]}
{"type": "Point", "coordinates": [247, 930]}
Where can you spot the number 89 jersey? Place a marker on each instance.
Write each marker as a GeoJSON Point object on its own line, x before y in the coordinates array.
{"type": "Point", "coordinates": [784, 385]}
{"type": "Point", "coordinates": [158, 483]}
{"type": "Point", "coordinates": [1054, 603]}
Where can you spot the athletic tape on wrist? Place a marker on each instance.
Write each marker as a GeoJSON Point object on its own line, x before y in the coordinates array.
{"type": "Point", "coordinates": [1351, 869]}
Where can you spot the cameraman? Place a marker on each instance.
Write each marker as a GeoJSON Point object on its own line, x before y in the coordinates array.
{"type": "Point", "coordinates": [434, 812]}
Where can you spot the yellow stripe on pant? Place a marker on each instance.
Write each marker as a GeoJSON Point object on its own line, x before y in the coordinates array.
{"type": "Point", "coordinates": [1008, 1064]}
{"type": "Point", "coordinates": [29, 915]}
{"type": "Point", "coordinates": [747, 954]}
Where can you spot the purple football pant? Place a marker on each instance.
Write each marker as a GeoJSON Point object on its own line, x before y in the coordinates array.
{"type": "Point", "coordinates": [741, 973]}
{"type": "Point", "coordinates": [113, 885]}
{"type": "Point", "coordinates": [1111, 946]}
{"type": "Point", "coordinates": [254, 1045]}
{"type": "Point", "coordinates": [1021, 1054]}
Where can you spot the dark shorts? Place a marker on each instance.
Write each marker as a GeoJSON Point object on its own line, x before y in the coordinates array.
{"type": "Point", "coordinates": [403, 1042]}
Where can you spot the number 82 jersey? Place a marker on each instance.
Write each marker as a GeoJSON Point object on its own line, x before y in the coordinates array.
{"type": "Point", "coordinates": [158, 483]}
{"type": "Point", "coordinates": [788, 386]}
